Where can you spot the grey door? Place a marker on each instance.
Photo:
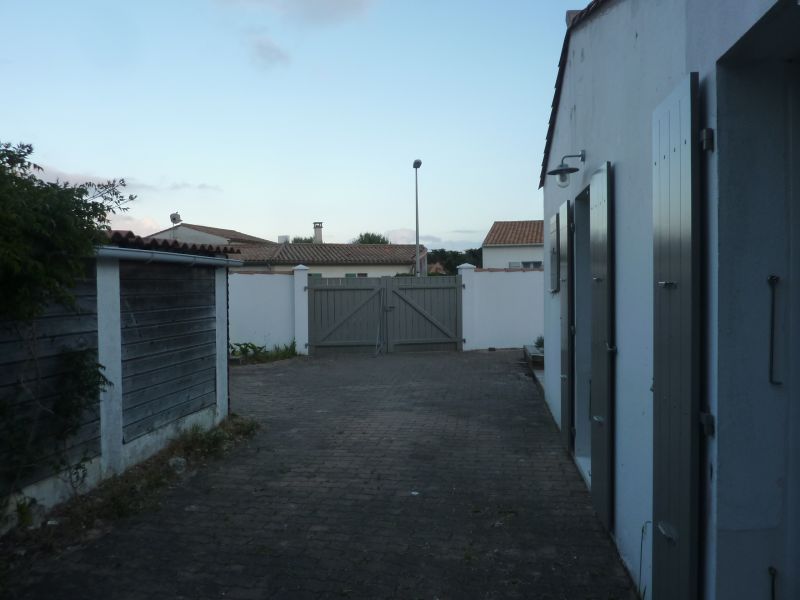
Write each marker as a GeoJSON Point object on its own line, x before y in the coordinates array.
{"type": "Point", "coordinates": [389, 314]}
{"type": "Point", "coordinates": [423, 313]}
{"type": "Point", "coordinates": [567, 324]}
{"type": "Point", "coordinates": [345, 313]}
{"type": "Point", "coordinates": [676, 357]}
{"type": "Point", "coordinates": [603, 348]}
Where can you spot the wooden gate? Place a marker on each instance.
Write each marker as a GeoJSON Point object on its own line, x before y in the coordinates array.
{"type": "Point", "coordinates": [386, 314]}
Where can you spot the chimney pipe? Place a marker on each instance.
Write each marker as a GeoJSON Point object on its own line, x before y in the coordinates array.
{"type": "Point", "coordinates": [317, 232]}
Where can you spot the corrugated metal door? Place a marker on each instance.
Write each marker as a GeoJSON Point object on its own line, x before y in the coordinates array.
{"type": "Point", "coordinates": [601, 240]}
{"type": "Point", "coordinates": [567, 324]}
{"type": "Point", "coordinates": [676, 364]}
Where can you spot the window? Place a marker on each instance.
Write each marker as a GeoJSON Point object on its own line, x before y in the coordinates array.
{"type": "Point", "coordinates": [515, 265]}
{"type": "Point", "coordinates": [349, 274]}
{"type": "Point", "coordinates": [533, 264]}
{"type": "Point", "coordinates": [315, 274]}
{"type": "Point", "coordinates": [362, 274]}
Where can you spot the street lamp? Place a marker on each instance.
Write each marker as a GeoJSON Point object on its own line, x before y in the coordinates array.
{"type": "Point", "coordinates": [417, 165]}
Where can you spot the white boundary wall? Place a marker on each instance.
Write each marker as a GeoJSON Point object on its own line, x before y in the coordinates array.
{"type": "Point", "coordinates": [501, 309]}
{"type": "Point", "coordinates": [269, 309]}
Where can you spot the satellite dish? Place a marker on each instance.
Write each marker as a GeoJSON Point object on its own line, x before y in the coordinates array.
{"type": "Point", "coordinates": [175, 218]}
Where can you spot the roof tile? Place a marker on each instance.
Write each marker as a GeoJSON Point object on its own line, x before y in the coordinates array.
{"type": "Point", "coordinates": [515, 233]}
{"type": "Point", "coordinates": [329, 254]}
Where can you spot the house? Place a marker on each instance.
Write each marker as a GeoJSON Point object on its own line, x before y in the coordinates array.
{"type": "Point", "coordinates": [333, 260]}
{"type": "Point", "coordinates": [203, 234]}
{"type": "Point", "coordinates": [514, 245]}
{"type": "Point", "coordinates": [671, 179]}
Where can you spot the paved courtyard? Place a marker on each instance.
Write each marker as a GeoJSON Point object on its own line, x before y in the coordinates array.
{"type": "Point", "coordinates": [432, 475]}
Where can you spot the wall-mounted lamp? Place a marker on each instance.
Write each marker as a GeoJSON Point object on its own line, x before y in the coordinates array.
{"type": "Point", "coordinates": [563, 170]}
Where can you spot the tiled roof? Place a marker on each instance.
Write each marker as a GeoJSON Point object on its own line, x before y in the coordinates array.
{"type": "Point", "coordinates": [330, 254]}
{"type": "Point", "coordinates": [128, 239]}
{"type": "Point", "coordinates": [575, 18]}
{"type": "Point", "coordinates": [515, 233]}
{"type": "Point", "coordinates": [233, 236]}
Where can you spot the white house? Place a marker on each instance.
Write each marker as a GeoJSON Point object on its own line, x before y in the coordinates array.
{"type": "Point", "coordinates": [203, 234]}
{"type": "Point", "coordinates": [514, 245]}
{"type": "Point", "coordinates": [672, 318]}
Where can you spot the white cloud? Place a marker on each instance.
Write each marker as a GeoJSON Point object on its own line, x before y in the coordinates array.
{"type": "Point", "coordinates": [139, 226]}
{"type": "Point", "coordinates": [313, 12]}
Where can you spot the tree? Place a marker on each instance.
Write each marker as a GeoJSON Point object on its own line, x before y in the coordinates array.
{"type": "Point", "coordinates": [47, 231]}
{"type": "Point", "coordinates": [371, 238]}
{"type": "Point", "coordinates": [451, 259]}
{"type": "Point", "coordinates": [302, 240]}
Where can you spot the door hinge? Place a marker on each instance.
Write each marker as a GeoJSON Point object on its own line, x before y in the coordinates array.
{"type": "Point", "coordinates": [707, 139]}
{"type": "Point", "coordinates": [708, 423]}
{"type": "Point", "coordinates": [611, 349]}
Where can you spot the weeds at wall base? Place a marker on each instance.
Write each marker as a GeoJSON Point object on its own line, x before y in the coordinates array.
{"type": "Point", "coordinates": [84, 518]}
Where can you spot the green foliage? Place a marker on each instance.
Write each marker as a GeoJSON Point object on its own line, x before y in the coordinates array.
{"type": "Point", "coordinates": [36, 435]}
{"type": "Point", "coordinates": [451, 259]}
{"type": "Point", "coordinates": [47, 231]}
{"type": "Point", "coordinates": [253, 353]}
{"type": "Point", "coordinates": [302, 240]}
{"type": "Point", "coordinates": [539, 343]}
{"type": "Point", "coordinates": [371, 238]}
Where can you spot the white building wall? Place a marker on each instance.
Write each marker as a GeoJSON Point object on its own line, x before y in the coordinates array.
{"type": "Point", "coordinates": [261, 308]}
{"type": "Point", "coordinates": [336, 270]}
{"type": "Point", "coordinates": [499, 257]}
{"type": "Point", "coordinates": [182, 233]}
{"type": "Point", "coordinates": [501, 310]}
{"type": "Point", "coordinates": [621, 64]}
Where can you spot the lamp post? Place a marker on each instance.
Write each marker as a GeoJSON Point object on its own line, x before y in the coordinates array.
{"type": "Point", "coordinates": [417, 165]}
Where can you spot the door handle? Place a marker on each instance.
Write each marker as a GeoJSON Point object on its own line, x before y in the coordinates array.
{"type": "Point", "coordinates": [598, 419]}
{"type": "Point", "coordinates": [597, 279]}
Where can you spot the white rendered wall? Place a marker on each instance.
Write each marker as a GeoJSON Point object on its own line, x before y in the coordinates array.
{"type": "Point", "coordinates": [498, 257]}
{"type": "Point", "coordinates": [501, 310]}
{"type": "Point", "coordinates": [334, 270]}
{"type": "Point", "coordinates": [182, 233]}
{"type": "Point", "coordinates": [261, 308]}
{"type": "Point", "coordinates": [621, 64]}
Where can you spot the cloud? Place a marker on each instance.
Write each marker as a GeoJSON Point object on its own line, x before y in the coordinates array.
{"type": "Point", "coordinates": [267, 53]}
{"type": "Point", "coordinates": [198, 187]}
{"type": "Point", "coordinates": [140, 226]}
{"type": "Point", "coordinates": [132, 184]}
{"type": "Point", "coordinates": [313, 12]}
{"type": "Point", "coordinates": [401, 236]}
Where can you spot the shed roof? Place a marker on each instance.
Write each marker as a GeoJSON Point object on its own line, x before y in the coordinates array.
{"type": "Point", "coordinates": [515, 233]}
{"type": "Point", "coordinates": [575, 19]}
{"type": "Point", "coordinates": [330, 254]}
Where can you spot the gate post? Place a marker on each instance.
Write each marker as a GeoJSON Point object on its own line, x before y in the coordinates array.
{"type": "Point", "coordinates": [301, 308]}
{"type": "Point", "coordinates": [467, 272]}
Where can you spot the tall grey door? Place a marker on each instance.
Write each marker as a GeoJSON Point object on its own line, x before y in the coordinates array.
{"type": "Point", "coordinates": [567, 324]}
{"type": "Point", "coordinates": [676, 360]}
{"type": "Point", "coordinates": [601, 240]}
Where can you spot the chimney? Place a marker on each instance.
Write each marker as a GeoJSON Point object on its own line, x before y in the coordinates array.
{"type": "Point", "coordinates": [317, 232]}
{"type": "Point", "coordinates": [571, 15]}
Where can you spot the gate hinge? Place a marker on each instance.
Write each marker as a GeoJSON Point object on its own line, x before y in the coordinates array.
{"type": "Point", "coordinates": [463, 286]}
{"type": "Point", "coordinates": [305, 288]}
{"type": "Point", "coordinates": [707, 139]}
{"type": "Point", "coordinates": [708, 423]}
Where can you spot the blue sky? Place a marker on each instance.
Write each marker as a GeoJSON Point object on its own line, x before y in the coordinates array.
{"type": "Point", "coordinates": [267, 115]}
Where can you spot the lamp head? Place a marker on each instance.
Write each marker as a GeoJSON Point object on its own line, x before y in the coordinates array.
{"type": "Point", "coordinates": [417, 164]}
{"type": "Point", "coordinates": [563, 170]}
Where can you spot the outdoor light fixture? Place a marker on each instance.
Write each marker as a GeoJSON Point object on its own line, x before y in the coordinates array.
{"type": "Point", "coordinates": [563, 170]}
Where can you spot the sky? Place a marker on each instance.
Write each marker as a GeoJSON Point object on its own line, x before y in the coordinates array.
{"type": "Point", "coordinates": [267, 115]}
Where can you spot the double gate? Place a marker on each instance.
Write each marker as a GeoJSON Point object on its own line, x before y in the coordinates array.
{"type": "Point", "coordinates": [384, 314]}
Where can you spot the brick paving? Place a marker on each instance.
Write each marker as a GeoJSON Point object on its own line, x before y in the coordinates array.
{"type": "Point", "coordinates": [432, 475]}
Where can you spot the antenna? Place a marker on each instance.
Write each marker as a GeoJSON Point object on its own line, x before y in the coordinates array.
{"type": "Point", "coordinates": [176, 219]}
